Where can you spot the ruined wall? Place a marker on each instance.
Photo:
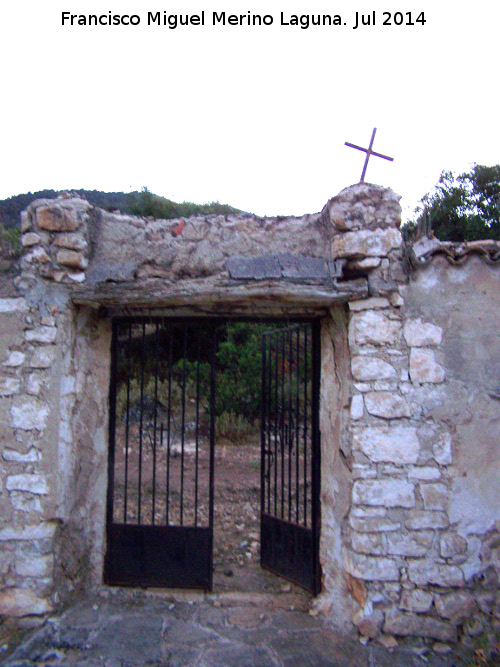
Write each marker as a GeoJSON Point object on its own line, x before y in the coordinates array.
{"type": "Point", "coordinates": [409, 396]}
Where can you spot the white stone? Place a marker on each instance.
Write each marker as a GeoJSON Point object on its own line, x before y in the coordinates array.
{"type": "Point", "coordinates": [420, 334]}
{"type": "Point", "coordinates": [370, 568]}
{"type": "Point", "coordinates": [421, 520]}
{"type": "Point", "coordinates": [34, 384]}
{"type": "Point", "coordinates": [416, 600]}
{"type": "Point", "coordinates": [442, 450]}
{"type": "Point", "coordinates": [371, 368]}
{"type": "Point", "coordinates": [375, 243]}
{"type": "Point", "coordinates": [357, 408]}
{"type": "Point", "coordinates": [373, 524]}
{"type": "Point", "coordinates": [14, 359]}
{"type": "Point", "coordinates": [423, 366]}
{"type": "Point", "coordinates": [369, 304]}
{"type": "Point", "coordinates": [15, 305]}
{"type": "Point", "coordinates": [425, 572]}
{"type": "Point", "coordinates": [386, 404]}
{"type": "Point", "coordinates": [392, 444]}
{"type": "Point", "coordinates": [363, 387]}
{"type": "Point", "coordinates": [425, 473]}
{"type": "Point", "coordinates": [435, 496]}
{"type": "Point", "coordinates": [22, 602]}
{"type": "Point", "coordinates": [38, 566]}
{"type": "Point", "coordinates": [29, 239]}
{"type": "Point", "coordinates": [28, 413]}
{"type": "Point", "coordinates": [372, 327]}
{"type": "Point", "coordinates": [68, 385]}
{"type": "Point", "coordinates": [25, 502]}
{"type": "Point", "coordinates": [416, 544]}
{"type": "Point", "coordinates": [388, 493]}
{"type": "Point", "coordinates": [369, 543]}
{"type": "Point", "coordinates": [397, 300]}
{"type": "Point", "coordinates": [42, 531]}
{"type": "Point", "coordinates": [12, 455]}
{"type": "Point", "coordinates": [9, 386]}
{"type": "Point", "coordinates": [42, 334]}
{"type": "Point", "coordinates": [31, 482]}
{"type": "Point", "coordinates": [43, 357]}
{"type": "Point", "coordinates": [385, 385]}
{"type": "Point", "coordinates": [76, 276]}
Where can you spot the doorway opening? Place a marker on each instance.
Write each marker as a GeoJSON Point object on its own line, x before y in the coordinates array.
{"type": "Point", "coordinates": [214, 454]}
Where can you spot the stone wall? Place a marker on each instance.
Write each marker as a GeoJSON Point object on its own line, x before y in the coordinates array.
{"type": "Point", "coordinates": [410, 393]}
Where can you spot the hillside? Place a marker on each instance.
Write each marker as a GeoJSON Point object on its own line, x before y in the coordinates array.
{"type": "Point", "coordinates": [143, 203]}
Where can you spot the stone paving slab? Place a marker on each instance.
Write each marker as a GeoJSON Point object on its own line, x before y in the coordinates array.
{"type": "Point", "coordinates": [202, 633]}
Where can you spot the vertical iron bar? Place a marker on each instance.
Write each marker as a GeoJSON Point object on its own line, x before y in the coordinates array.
{"type": "Point", "coordinates": [263, 447]}
{"type": "Point", "coordinates": [213, 369]}
{"type": "Point", "coordinates": [183, 421]}
{"type": "Point", "coordinates": [306, 354]}
{"type": "Point", "coordinates": [282, 424]}
{"type": "Point", "coordinates": [276, 365]}
{"type": "Point", "coordinates": [155, 421]}
{"type": "Point", "coordinates": [297, 425]}
{"type": "Point", "coordinates": [169, 416]}
{"type": "Point", "coordinates": [141, 419]}
{"type": "Point", "coordinates": [269, 399]}
{"type": "Point", "coordinates": [316, 452]}
{"type": "Point", "coordinates": [290, 424]}
{"type": "Point", "coordinates": [127, 423]}
{"type": "Point", "coordinates": [112, 424]}
{"type": "Point", "coordinates": [198, 354]}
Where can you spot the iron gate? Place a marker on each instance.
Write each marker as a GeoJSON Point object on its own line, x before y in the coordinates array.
{"type": "Point", "coordinates": [161, 456]}
{"type": "Point", "coordinates": [290, 461]}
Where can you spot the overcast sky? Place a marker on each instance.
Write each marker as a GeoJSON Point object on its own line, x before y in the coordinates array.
{"type": "Point", "coordinates": [252, 116]}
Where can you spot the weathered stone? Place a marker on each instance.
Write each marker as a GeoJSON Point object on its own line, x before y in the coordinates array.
{"type": "Point", "coordinates": [43, 357]}
{"type": "Point", "coordinates": [28, 413]}
{"type": "Point", "coordinates": [71, 241]}
{"type": "Point", "coordinates": [75, 260]}
{"type": "Point", "coordinates": [416, 544]}
{"type": "Point", "coordinates": [34, 384]}
{"type": "Point", "coordinates": [435, 496]}
{"type": "Point", "coordinates": [406, 625]}
{"type": "Point", "coordinates": [455, 606]}
{"type": "Point", "coordinates": [370, 568]}
{"type": "Point", "coordinates": [398, 444]}
{"type": "Point", "coordinates": [420, 334]}
{"type": "Point", "coordinates": [386, 404]}
{"type": "Point", "coordinates": [55, 219]}
{"type": "Point", "coordinates": [30, 239]}
{"type": "Point", "coordinates": [452, 545]}
{"type": "Point", "coordinates": [15, 305]}
{"type": "Point", "coordinates": [369, 543]}
{"type": "Point", "coordinates": [365, 243]}
{"type": "Point", "coordinates": [371, 368]}
{"type": "Point", "coordinates": [42, 531]}
{"type": "Point", "coordinates": [425, 572]}
{"type": "Point", "coordinates": [14, 359]}
{"type": "Point", "coordinates": [357, 408]}
{"type": "Point", "coordinates": [25, 221]}
{"type": "Point", "coordinates": [369, 304]}
{"type": "Point", "coordinates": [416, 600]}
{"type": "Point", "coordinates": [424, 473]}
{"type": "Point", "coordinates": [389, 493]}
{"type": "Point", "coordinates": [21, 602]}
{"type": "Point", "coordinates": [442, 451]}
{"type": "Point", "coordinates": [39, 255]}
{"type": "Point", "coordinates": [421, 520]}
{"type": "Point", "coordinates": [41, 334]}
{"type": "Point", "coordinates": [9, 386]}
{"type": "Point", "coordinates": [12, 455]}
{"type": "Point", "coordinates": [372, 327]}
{"type": "Point", "coordinates": [423, 366]}
{"type": "Point", "coordinates": [31, 482]}
{"type": "Point", "coordinates": [25, 502]}
{"type": "Point", "coordinates": [373, 525]}
{"type": "Point", "coordinates": [368, 625]}
{"type": "Point", "coordinates": [35, 566]}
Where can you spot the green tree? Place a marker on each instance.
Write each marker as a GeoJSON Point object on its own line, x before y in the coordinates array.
{"type": "Point", "coordinates": [461, 208]}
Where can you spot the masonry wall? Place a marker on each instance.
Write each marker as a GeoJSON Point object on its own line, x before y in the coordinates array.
{"type": "Point", "coordinates": [410, 388]}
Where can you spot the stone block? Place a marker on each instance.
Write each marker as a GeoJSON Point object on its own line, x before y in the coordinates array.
{"type": "Point", "coordinates": [370, 568]}
{"type": "Point", "coordinates": [373, 525]}
{"type": "Point", "coordinates": [387, 405]}
{"type": "Point", "coordinates": [368, 625]}
{"type": "Point", "coordinates": [421, 520]}
{"type": "Point", "coordinates": [41, 334]}
{"type": "Point", "coordinates": [28, 413]}
{"type": "Point", "coordinates": [456, 606]}
{"type": "Point", "coordinates": [72, 259]}
{"type": "Point", "coordinates": [32, 482]}
{"type": "Point", "coordinates": [373, 327]}
{"type": "Point", "coordinates": [21, 602]}
{"type": "Point", "coordinates": [391, 444]}
{"type": "Point", "coordinates": [43, 357]}
{"type": "Point", "coordinates": [369, 304]}
{"type": "Point", "coordinates": [14, 359]}
{"type": "Point", "coordinates": [357, 407]}
{"type": "Point", "coordinates": [71, 241]}
{"type": "Point", "coordinates": [9, 386]}
{"type": "Point", "coordinates": [416, 544]}
{"type": "Point", "coordinates": [442, 451]}
{"type": "Point", "coordinates": [435, 496]}
{"type": "Point", "coordinates": [25, 502]}
{"type": "Point", "coordinates": [425, 572]}
{"type": "Point", "coordinates": [365, 243]}
{"type": "Point", "coordinates": [406, 624]}
{"type": "Point", "coordinates": [423, 367]}
{"type": "Point", "coordinates": [416, 600]}
{"type": "Point", "coordinates": [422, 334]}
{"type": "Point", "coordinates": [371, 544]}
{"type": "Point", "coordinates": [41, 531]}
{"type": "Point", "coordinates": [424, 473]}
{"type": "Point", "coordinates": [29, 239]}
{"type": "Point", "coordinates": [14, 305]}
{"type": "Point", "coordinates": [367, 369]}
{"type": "Point", "coordinates": [35, 566]}
{"type": "Point", "coordinates": [12, 455]}
{"type": "Point", "coordinates": [55, 219]}
{"type": "Point", "coordinates": [388, 493]}
{"type": "Point", "coordinates": [452, 545]}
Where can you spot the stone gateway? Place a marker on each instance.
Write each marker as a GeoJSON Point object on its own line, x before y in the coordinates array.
{"type": "Point", "coordinates": [409, 396]}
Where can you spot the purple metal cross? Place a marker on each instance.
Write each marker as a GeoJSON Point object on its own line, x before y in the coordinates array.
{"type": "Point", "coordinates": [368, 152]}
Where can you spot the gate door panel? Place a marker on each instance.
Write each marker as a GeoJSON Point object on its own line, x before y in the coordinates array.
{"type": "Point", "coordinates": [161, 460]}
{"type": "Point", "coordinates": [290, 463]}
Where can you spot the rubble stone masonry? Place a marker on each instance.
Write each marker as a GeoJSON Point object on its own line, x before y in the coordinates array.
{"type": "Point", "coordinates": [410, 398]}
